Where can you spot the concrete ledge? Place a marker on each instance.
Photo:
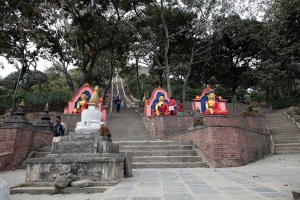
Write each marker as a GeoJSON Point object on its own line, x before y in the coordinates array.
{"type": "Point", "coordinates": [51, 190]}
{"type": "Point", "coordinates": [4, 190]}
{"type": "Point", "coordinates": [5, 154]}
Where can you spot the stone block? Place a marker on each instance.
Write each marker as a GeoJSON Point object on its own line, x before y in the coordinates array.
{"type": "Point", "coordinates": [81, 183]}
{"type": "Point", "coordinates": [63, 182]}
{"type": "Point", "coordinates": [92, 168]}
{"type": "Point", "coordinates": [109, 147]}
{"type": "Point", "coordinates": [128, 164]}
{"type": "Point", "coordinates": [43, 126]}
{"type": "Point", "coordinates": [17, 122]}
{"type": "Point", "coordinates": [66, 147]}
{"type": "Point", "coordinates": [296, 195]}
{"type": "Point", "coordinates": [4, 190]}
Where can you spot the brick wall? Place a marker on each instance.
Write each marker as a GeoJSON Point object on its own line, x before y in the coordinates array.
{"type": "Point", "coordinates": [41, 139]}
{"type": "Point", "coordinates": [15, 143]}
{"type": "Point", "coordinates": [169, 125]}
{"type": "Point", "coordinates": [226, 146]}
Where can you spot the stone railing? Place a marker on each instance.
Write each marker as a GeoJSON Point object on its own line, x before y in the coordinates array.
{"type": "Point", "coordinates": [4, 190]}
{"type": "Point", "coordinates": [292, 119]}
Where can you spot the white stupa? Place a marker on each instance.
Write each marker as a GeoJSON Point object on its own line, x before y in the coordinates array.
{"type": "Point", "coordinates": [90, 118]}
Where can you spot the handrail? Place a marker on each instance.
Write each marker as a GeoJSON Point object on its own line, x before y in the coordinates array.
{"type": "Point", "coordinates": [111, 99]}
{"type": "Point", "coordinates": [272, 140]}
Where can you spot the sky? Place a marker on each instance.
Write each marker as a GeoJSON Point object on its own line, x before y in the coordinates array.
{"type": "Point", "coordinates": [9, 68]}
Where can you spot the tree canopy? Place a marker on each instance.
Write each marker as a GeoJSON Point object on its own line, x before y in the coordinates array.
{"type": "Point", "coordinates": [185, 45]}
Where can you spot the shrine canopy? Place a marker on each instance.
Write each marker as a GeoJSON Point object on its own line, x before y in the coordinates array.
{"type": "Point", "coordinates": [150, 105]}
{"type": "Point", "coordinates": [88, 91]}
{"type": "Point", "coordinates": [199, 103]}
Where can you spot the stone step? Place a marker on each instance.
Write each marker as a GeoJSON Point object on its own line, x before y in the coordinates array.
{"type": "Point", "coordinates": [291, 148]}
{"type": "Point", "coordinates": [125, 139]}
{"type": "Point", "coordinates": [170, 165]}
{"type": "Point", "coordinates": [169, 159]}
{"type": "Point", "coordinates": [163, 153]}
{"type": "Point", "coordinates": [50, 190]}
{"type": "Point", "coordinates": [283, 152]}
{"type": "Point", "coordinates": [285, 132]}
{"type": "Point", "coordinates": [285, 139]}
{"type": "Point", "coordinates": [40, 154]}
{"type": "Point", "coordinates": [44, 149]}
{"type": "Point", "coordinates": [155, 148]}
{"type": "Point", "coordinates": [149, 143]}
{"type": "Point", "coordinates": [129, 131]}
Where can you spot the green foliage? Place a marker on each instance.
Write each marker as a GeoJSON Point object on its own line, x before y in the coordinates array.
{"type": "Point", "coordinates": [252, 109]}
{"type": "Point", "coordinates": [280, 103]}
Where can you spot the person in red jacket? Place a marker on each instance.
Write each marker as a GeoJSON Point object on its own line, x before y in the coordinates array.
{"type": "Point", "coordinates": [181, 108]}
{"type": "Point", "coordinates": [172, 104]}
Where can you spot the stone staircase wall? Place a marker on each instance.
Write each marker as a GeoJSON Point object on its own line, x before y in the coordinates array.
{"type": "Point", "coordinates": [286, 135]}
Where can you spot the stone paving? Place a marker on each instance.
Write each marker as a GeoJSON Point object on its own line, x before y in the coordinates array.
{"type": "Point", "coordinates": [272, 178]}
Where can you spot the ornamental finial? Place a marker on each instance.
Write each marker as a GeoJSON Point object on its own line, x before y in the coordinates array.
{"type": "Point", "coordinates": [95, 97]}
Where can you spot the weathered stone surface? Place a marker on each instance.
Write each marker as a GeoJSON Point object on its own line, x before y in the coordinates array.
{"type": "Point", "coordinates": [102, 168]}
{"type": "Point", "coordinates": [296, 195]}
{"type": "Point", "coordinates": [128, 164]}
{"type": "Point", "coordinates": [43, 125]}
{"type": "Point", "coordinates": [65, 177]}
{"type": "Point", "coordinates": [18, 121]}
{"type": "Point", "coordinates": [4, 190]}
{"type": "Point", "coordinates": [75, 147]}
{"type": "Point", "coordinates": [62, 182]}
{"type": "Point", "coordinates": [81, 183]}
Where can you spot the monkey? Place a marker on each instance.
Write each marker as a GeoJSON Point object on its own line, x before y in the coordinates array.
{"type": "Point", "coordinates": [105, 131]}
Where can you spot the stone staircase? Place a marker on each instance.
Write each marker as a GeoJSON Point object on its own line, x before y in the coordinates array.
{"type": "Point", "coordinates": [127, 125]}
{"type": "Point", "coordinates": [162, 154]}
{"type": "Point", "coordinates": [40, 153]}
{"type": "Point", "coordinates": [286, 135]}
{"type": "Point", "coordinates": [128, 130]}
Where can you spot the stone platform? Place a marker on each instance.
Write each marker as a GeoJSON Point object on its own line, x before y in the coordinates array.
{"type": "Point", "coordinates": [90, 157]}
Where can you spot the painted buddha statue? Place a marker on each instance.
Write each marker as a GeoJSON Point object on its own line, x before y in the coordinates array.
{"type": "Point", "coordinates": [212, 106]}
{"type": "Point", "coordinates": [161, 108]}
{"type": "Point", "coordinates": [81, 105]}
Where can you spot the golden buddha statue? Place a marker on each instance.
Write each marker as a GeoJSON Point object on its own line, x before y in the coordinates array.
{"type": "Point", "coordinates": [213, 106]}
{"type": "Point", "coordinates": [81, 105]}
{"type": "Point", "coordinates": [161, 107]}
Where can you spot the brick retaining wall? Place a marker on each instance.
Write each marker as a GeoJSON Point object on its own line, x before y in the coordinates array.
{"type": "Point", "coordinates": [226, 146]}
{"type": "Point", "coordinates": [15, 143]}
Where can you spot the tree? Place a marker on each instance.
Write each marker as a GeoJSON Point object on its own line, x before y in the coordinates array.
{"type": "Point", "coordinates": [235, 48]}
{"type": "Point", "coordinates": [19, 28]}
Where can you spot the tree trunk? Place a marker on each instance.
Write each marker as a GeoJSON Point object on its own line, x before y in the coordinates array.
{"type": "Point", "coordinates": [86, 72]}
{"type": "Point", "coordinates": [137, 76]}
{"type": "Point", "coordinates": [233, 89]}
{"type": "Point", "coordinates": [268, 93]}
{"type": "Point", "coordinates": [167, 67]}
{"type": "Point", "coordinates": [186, 78]}
{"type": "Point", "coordinates": [107, 86]}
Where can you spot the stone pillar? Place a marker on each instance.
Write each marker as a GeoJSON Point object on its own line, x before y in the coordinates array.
{"type": "Point", "coordinates": [18, 120]}
{"type": "Point", "coordinates": [4, 190]}
{"type": "Point", "coordinates": [44, 124]}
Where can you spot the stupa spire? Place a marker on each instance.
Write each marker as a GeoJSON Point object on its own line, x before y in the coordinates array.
{"type": "Point", "coordinates": [95, 97]}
